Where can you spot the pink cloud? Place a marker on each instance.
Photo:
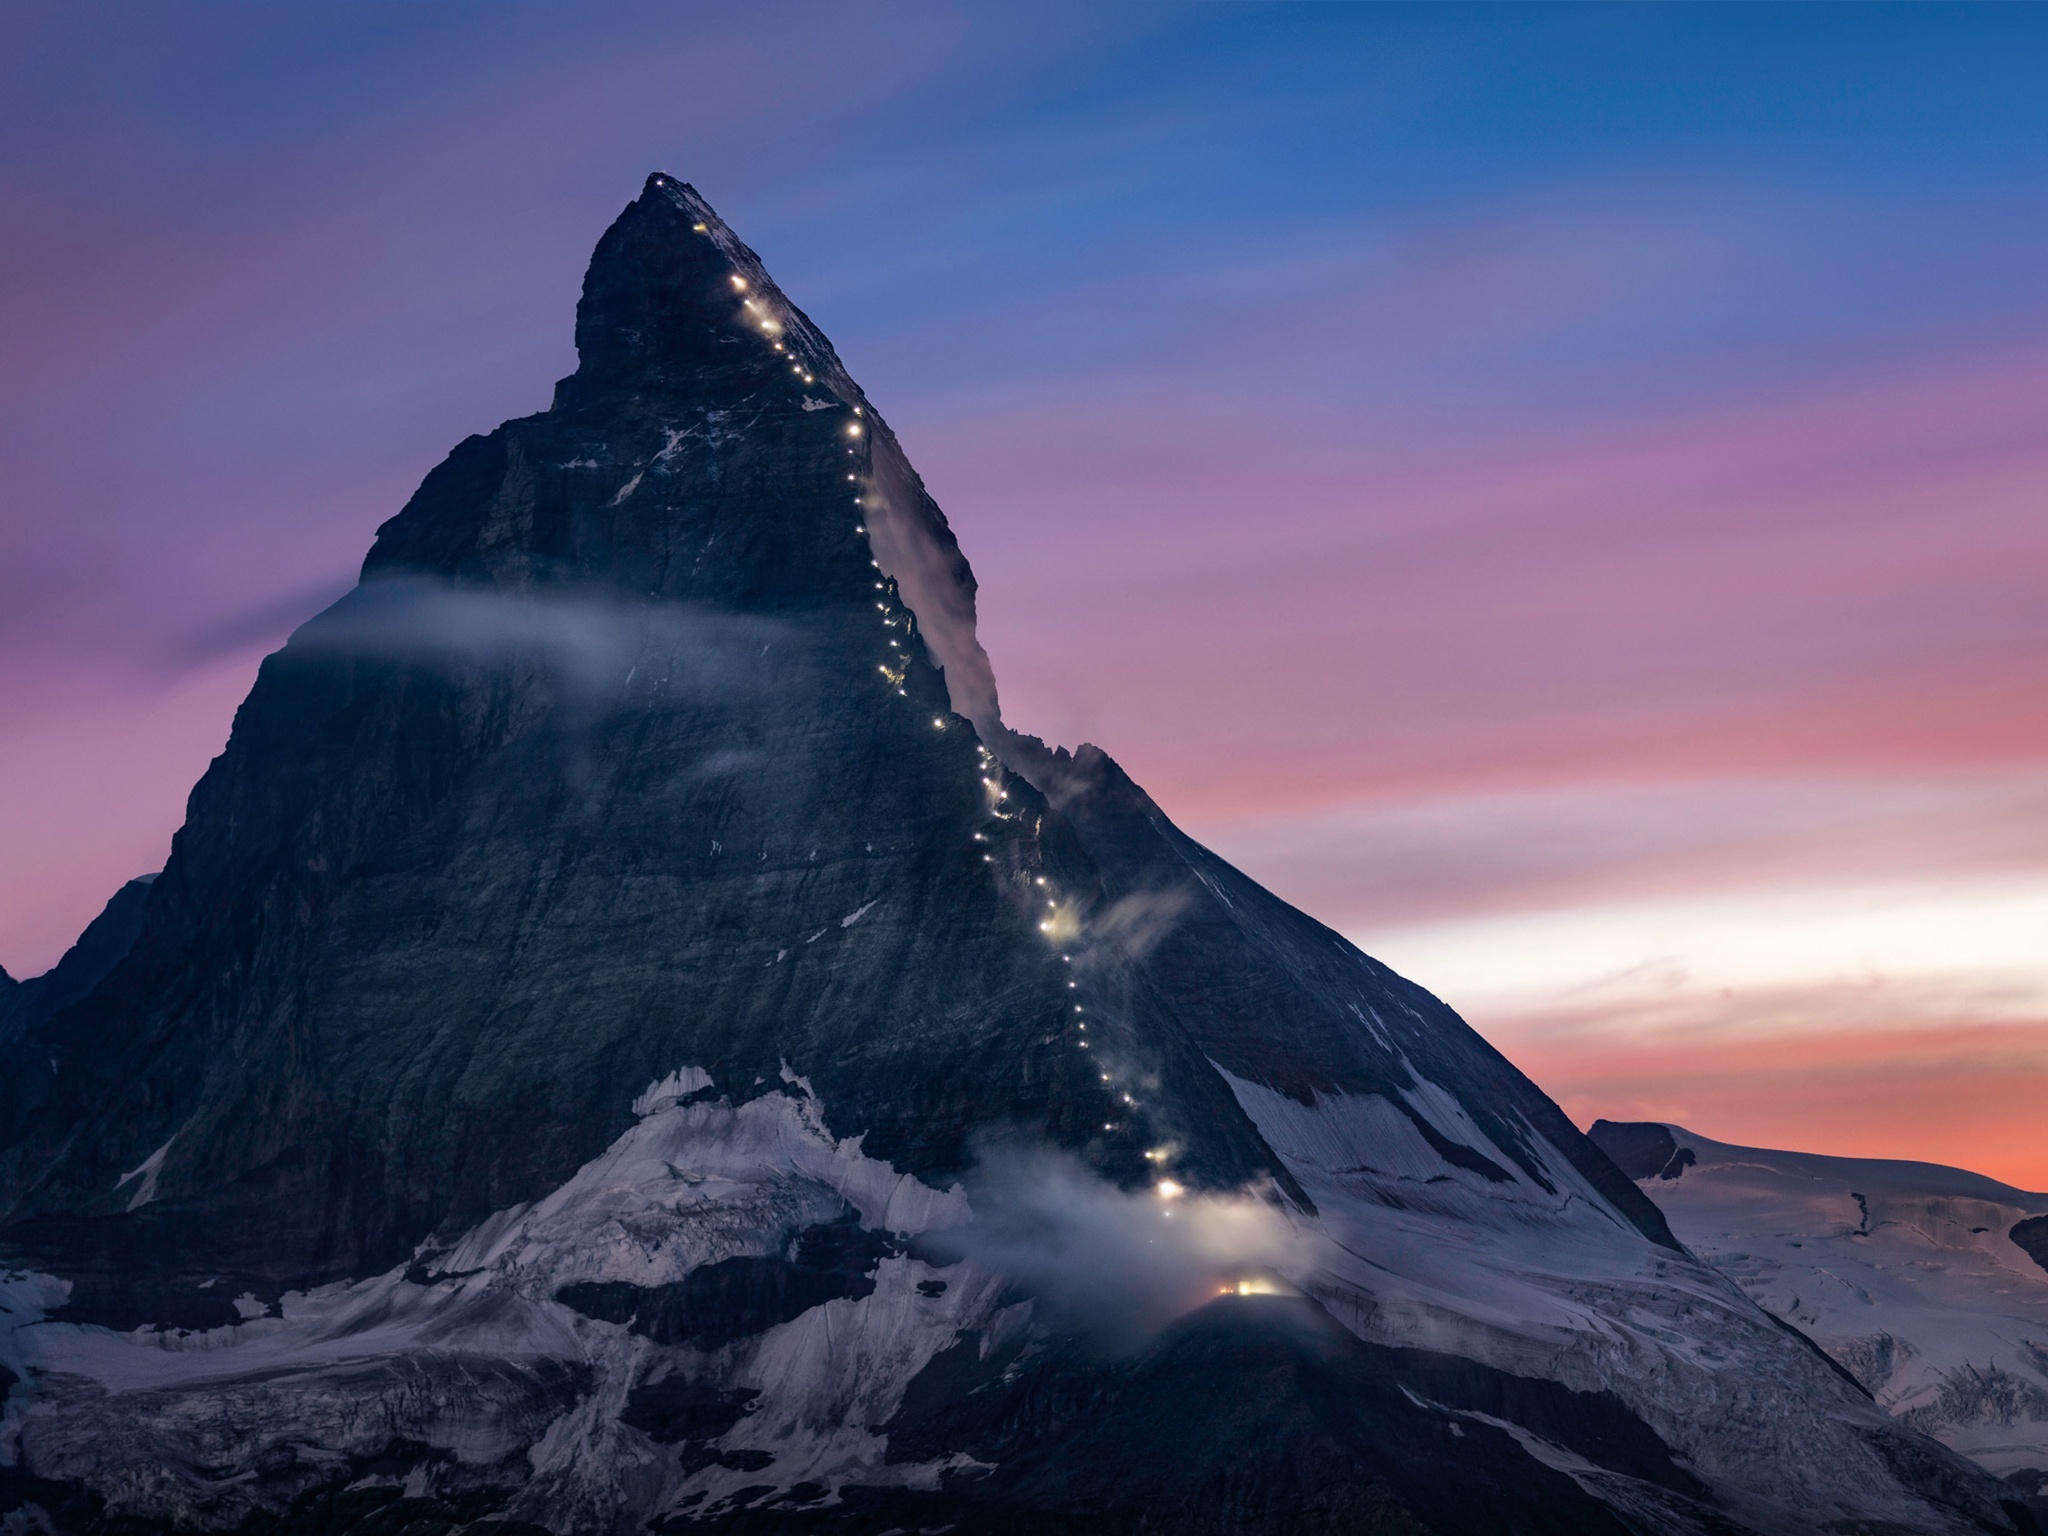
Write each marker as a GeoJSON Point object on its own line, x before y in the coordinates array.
{"type": "Point", "coordinates": [1847, 580]}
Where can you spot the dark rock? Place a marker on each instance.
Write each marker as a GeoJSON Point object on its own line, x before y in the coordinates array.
{"type": "Point", "coordinates": [1642, 1149]}
{"type": "Point", "coordinates": [736, 1297]}
{"type": "Point", "coordinates": [2032, 1237]}
{"type": "Point", "coordinates": [1260, 1413]}
{"type": "Point", "coordinates": [679, 1409]}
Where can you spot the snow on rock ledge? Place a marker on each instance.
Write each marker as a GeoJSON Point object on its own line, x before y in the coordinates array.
{"type": "Point", "coordinates": [466, 1351]}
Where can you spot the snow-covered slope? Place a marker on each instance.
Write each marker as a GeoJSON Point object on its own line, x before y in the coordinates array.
{"type": "Point", "coordinates": [1905, 1272]}
{"type": "Point", "coordinates": [1519, 1358]}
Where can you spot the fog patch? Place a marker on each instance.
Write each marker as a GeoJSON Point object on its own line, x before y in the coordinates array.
{"type": "Point", "coordinates": [597, 648]}
{"type": "Point", "coordinates": [728, 763]}
{"type": "Point", "coordinates": [1136, 923]}
{"type": "Point", "coordinates": [1118, 1265]}
{"type": "Point", "coordinates": [255, 628]}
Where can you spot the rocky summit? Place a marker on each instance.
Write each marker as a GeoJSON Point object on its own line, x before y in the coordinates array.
{"type": "Point", "coordinates": [627, 1040]}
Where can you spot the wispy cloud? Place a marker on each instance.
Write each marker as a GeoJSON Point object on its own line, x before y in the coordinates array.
{"type": "Point", "coordinates": [1400, 862]}
{"type": "Point", "coordinates": [1116, 1265]}
{"type": "Point", "coordinates": [1771, 961]}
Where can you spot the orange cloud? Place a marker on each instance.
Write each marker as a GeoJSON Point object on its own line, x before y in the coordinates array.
{"type": "Point", "coordinates": [1970, 1096]}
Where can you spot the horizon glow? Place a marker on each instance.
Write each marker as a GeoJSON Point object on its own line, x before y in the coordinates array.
{"type": "Point", "coordinates": [1560, 494]}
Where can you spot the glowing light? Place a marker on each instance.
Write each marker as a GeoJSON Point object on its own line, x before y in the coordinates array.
{"type": "Point", "coordinates": [1167, 1189]}
{"type": "Point", "coordinates": [698, 227]}
{"type": "Point", "coordinates": [938, 725]}
{"type": "Point", "coordinates": [1156, 1155]}
{"type": "Point", "coordinates": [853, 429]}
{"type": "Point", "coordinates": [1252, 1288]}
{"type": "Point", "coordinates": [739, 284]}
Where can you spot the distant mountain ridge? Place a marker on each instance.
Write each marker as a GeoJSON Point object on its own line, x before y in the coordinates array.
{"type": "Point", "coordinates": [627, 1039]}
{"type": "Point", "coordinates": [1929, 1283]}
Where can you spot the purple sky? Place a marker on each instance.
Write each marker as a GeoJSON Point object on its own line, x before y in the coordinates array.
{"type": "Point", "coordinates": [1560, 493]}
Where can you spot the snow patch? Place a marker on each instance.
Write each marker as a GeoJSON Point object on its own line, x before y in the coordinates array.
{"type": "Point", "coordinates": [442, 1349]}
{"type": "Point", "coordinates": [1902, 1271]}
{"type": "Point", "coordinates": [147, 1171]}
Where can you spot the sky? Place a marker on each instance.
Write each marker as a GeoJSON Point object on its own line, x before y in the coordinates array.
{"type": "Point", "coordinates": [1559, 493]}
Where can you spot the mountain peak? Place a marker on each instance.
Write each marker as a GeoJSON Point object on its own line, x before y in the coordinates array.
{"type": "Point", "coordinates": [672, 294]}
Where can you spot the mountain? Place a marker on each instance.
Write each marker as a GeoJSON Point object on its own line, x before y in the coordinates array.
{"type": "Point", "coordinates": [1929, 1284]}
{"type": "Point", "coordinates": [28, 1004]}
{"type": "Point", "coordinates": [627, 1039]}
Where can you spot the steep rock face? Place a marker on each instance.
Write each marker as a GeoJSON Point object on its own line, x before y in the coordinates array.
{"type": "Point", "coordinates": [565, 1072]}
{"type": "Point", "coordinates": [1642, 1149]}
{"type": "Point", "coordinates": [2032, 1237]}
